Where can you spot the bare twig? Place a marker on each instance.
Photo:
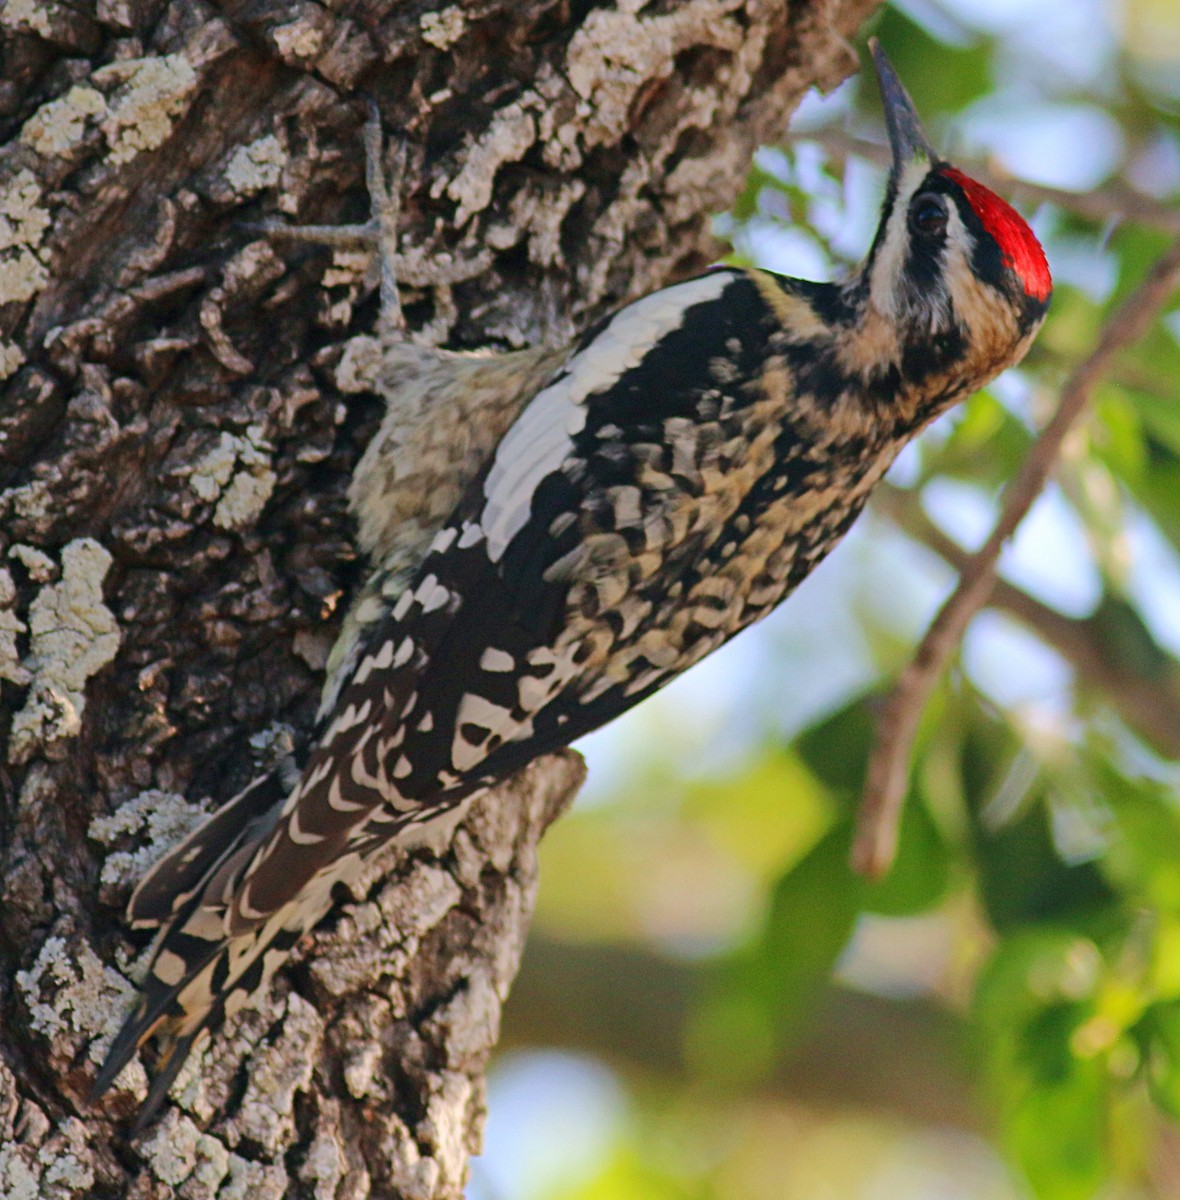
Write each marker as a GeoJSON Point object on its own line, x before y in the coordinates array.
{"type": "Point", "coordinates": [1114, 200]}
{"type": "Point", "coordinates": [1147, 695]}
{"type": "Point", "coordinates": [888, 772]}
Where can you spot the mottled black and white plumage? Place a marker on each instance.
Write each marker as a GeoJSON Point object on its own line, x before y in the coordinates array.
{"type": "Point", "coordinates": [606, 516]}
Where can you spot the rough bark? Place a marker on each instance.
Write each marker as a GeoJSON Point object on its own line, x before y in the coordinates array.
{"type": "Point", "coordinates": [174, 545]}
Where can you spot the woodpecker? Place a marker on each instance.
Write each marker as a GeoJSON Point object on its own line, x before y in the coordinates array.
{"type": "Point", "coordinates": [556, 534]}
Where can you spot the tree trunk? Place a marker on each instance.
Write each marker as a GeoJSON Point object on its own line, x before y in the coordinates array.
{"type": "Point", "coordinates": [174, 543]}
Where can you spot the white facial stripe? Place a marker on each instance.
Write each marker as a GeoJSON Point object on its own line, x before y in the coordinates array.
{"type": "Point", "coordinates": [542, 437]}
{"type": "Point", "coordinates": [956, 230]}
{"type": "Point", "coordinates": [959, 243]}
{"type": "Point", "coordinates": [890, 260]}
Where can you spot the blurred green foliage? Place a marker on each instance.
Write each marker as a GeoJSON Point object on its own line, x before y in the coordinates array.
{"type": "Point", "coordinates": [1040, 843]}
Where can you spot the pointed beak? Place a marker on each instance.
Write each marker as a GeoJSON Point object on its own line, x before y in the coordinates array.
{"type": "Point", "coordinates": [905, 130]}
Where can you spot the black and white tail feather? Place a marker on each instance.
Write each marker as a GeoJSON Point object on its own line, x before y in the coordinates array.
{"type": "Point", "coordinates": [168, 895]}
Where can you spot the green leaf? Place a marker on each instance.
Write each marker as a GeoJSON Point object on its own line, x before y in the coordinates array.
{"type": "Point", "coordinates": [1138, 248]}
{"type": "Point", "coordinates": [811, 916]}
{"type": "Point", "coordinates": [1142, 860]}
{"type": "Point", "coordinates": [1057, 1132]}
{"type": "Point", "coordinates": [1024, 881]}
{"type": "Point", "coordinates": [1159, 1037]}
{"type": "Point", "coordinates": [985, 447]}
{"type": "Point", "coordinates": [731, 1037]}
{"type": "Point", "coordinates": [1117, 434]}
{"type": "Point", "coordinates": [1032, 970]}
{"type": "Point", "coordinates": [1032, 997]}
{"type": "Point", "coordinates": [764, 816]}
{"type": "Point", "coordinates": [837, 749]}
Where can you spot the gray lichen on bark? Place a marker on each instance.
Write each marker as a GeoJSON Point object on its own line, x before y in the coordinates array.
{"type": "Point", "coordinates": [174, 457]}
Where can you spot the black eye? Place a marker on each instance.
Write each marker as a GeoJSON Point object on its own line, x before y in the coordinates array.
{"type": "Point", "coordinates": [928, 215]}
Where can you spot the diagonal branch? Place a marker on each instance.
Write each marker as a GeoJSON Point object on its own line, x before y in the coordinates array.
{"type": "Point", "coordinates": [888, 772]}
{"type": "Point", "coordinates": [1113, 200]}
{"type": "Point", "coordinates": [1145, 693]}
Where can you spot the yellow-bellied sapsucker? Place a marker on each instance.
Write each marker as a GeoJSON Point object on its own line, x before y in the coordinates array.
{"type": "Point", "coordinates": [600, 518]}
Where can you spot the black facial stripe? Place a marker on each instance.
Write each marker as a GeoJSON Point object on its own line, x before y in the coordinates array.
{"type": "Point", "coordinates": [986, 260]}
{"type": "Point", "coordinates": [923, 263]}
{"type": "Point", "coordinates": [923, 266]}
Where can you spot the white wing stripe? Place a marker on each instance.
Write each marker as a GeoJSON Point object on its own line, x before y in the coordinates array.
{"type": "Point", "coordinates": [542, 437]}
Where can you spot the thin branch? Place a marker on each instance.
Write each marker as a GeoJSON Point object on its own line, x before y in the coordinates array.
{"type": "Point", "coordinates": [634, 1009]}
{"type": "Point", "coordinates": [1147, 696]}
{"type": "Point", "coordinates": [1113, 200]}
{"type": "Point", "coordinates": [888, 773]}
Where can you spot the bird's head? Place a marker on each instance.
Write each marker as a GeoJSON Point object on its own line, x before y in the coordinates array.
{"type": "Point", "coordinates": [954, 274]}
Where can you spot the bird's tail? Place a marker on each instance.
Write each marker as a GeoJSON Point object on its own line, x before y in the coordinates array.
{"type": "Point", "coordinates": [198, 974]}
{"type": "Point", "coordinates": [245, 819]}
{"type": "Point", "coordinates": [198, 977]}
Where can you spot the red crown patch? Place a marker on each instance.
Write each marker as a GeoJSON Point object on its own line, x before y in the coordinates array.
{"type": "Point", "coordinates": [1017, 242]}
